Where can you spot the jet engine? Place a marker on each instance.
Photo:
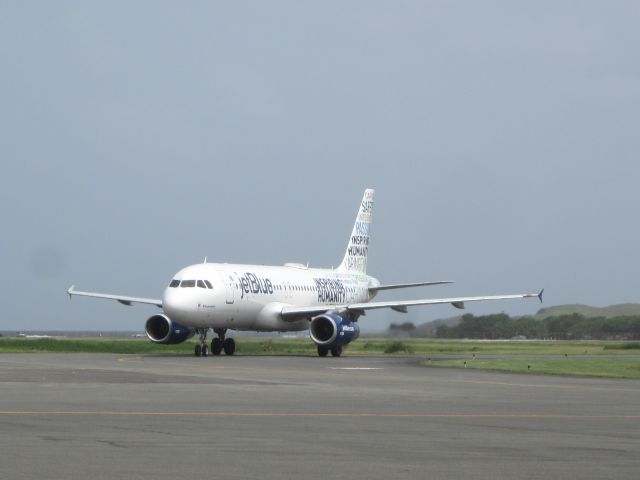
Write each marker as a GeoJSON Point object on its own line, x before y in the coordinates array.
{"type": "Point", "coordinates": [330, 330]}
{"type": "Point", "coordinates": [160, 329]}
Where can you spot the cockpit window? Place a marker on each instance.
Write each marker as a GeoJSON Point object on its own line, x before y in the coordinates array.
{"type": "Point", "coordinates": [208, 284]}
{"type": "Point", "coordinates": [174, 283]}
{"type": "Point", "coordinates": [187, 283]}
{"type": "Point", "coordinates": [201, 284]}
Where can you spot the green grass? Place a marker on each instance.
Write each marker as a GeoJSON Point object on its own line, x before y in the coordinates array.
{"type": "Point", "coordinates": [589, 366]}
{"type": "Point", "coordinates": [246, 346]}
{"type": "Point", "coordinates": [89, 345]}
{"type": "Point", "coordinates": [493, 347]}
{"type": "Point", "coordinates": [607, 359]}
{"type": "Point", "coordinates": [363, 346]}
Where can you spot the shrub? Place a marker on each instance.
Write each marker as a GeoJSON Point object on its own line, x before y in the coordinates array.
{"type": "Point", "coordinates": [395, 347]}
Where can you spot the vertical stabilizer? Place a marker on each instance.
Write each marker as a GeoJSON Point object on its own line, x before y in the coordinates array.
{"type": "Point", "coordinates": [355, 258]}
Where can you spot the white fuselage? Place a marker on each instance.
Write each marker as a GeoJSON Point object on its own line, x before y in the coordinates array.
{"type": "Point", "coordinates": [249, 297]}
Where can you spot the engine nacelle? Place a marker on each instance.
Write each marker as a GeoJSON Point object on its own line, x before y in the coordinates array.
{"type": "Point", "coordinates": [160, 329]}
{"type": "Point", "coordinates": [330, 330]}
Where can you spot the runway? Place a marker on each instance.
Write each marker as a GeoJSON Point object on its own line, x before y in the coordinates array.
{"type": "Point", "coordinates": [79, 416]}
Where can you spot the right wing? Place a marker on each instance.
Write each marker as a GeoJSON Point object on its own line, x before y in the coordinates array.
{"type": "Point", "coordinates": [294, 312]}
{"type": "Point", "coordinates": [407, 285]}
{"type": "Point", "coordinates": [120, 298]}
{"type": "Point", "coordinates": [457, 302]}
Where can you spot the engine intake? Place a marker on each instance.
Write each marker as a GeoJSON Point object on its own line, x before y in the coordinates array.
{"type": "Point", "coordinates": [331, 330]}
{"type": "Point", "coordinates": [160, 329]}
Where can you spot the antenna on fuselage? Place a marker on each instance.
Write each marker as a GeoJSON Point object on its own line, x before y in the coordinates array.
{"type": "Point", "coordinates": [205, 260]}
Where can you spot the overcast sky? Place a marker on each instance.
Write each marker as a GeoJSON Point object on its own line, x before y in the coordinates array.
{"type": "Point", "coordinates": [136, 138]}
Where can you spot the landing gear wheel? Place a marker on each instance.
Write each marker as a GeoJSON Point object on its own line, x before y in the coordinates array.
{"type": "Point", "coordinates": [229, 346]}
{"type": "Point", "coordinates": [336, 351]}
{"type": "Point", "coordinates": [322, 351]}
{"type": "Point", "coordinates": [216, 346]}
{"type": "Point", "coordinates": [201, 349]}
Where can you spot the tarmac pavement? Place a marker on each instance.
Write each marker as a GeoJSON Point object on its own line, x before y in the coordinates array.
{"type": "Point", "coordinates": [100, 416]}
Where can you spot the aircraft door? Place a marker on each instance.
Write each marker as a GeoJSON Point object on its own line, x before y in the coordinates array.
{"type": "Point", "coordinates": [229, 283]}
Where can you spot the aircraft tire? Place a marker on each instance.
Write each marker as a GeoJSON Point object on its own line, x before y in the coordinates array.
{"type": "Point", "coordinates": [322, 351]}
{"type": "Point", "coordinates": [198, 350]}
{"type": "Point", "coordinates": [229, 346]}
{"type": "Point", "coordinates": [205, 350]}
{"type": "Point", "coordinates": [216, 346]}
{"type": "Point", "coordinates": [336, 351]}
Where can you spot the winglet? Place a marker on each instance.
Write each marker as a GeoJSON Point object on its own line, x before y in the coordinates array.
{"type": "Point", "coordinates": [540, 295]}
{"type": "Point", "coordinates": [70, 291]}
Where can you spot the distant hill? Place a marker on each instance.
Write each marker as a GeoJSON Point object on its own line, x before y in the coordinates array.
{"type": "Point", "coordinates": [621, 310]}
{"type": "Point", "coordinates": [428, 329]}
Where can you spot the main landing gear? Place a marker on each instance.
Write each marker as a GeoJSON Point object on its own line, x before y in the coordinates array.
{"type": "Point", "coordinates": [218, 345]}
{"type": "Point", "coordinates": [335, 351]}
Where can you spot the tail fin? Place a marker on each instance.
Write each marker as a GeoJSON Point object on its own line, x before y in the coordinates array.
{"type": "Point", "coordinates": [355, 258]}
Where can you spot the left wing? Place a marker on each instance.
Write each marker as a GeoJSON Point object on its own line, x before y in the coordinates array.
{"type": "Point", "coordinates": [120, 298]}
{"type": "Point", "coordinates": [294, 312]}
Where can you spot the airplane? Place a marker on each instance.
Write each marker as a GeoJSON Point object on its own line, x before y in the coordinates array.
{"type": "Point", "coordinates": [292, 297]}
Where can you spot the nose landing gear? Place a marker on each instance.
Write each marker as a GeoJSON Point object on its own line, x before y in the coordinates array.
{"type": "Point", "coordinates": [202, 349]}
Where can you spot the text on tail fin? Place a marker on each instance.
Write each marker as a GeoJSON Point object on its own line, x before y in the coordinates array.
{"type": "Point", "coordinates": [355, 258]}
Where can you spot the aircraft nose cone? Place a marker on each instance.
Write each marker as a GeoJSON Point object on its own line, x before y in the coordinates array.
{"type": "Point", "coordinates": [175, 303]}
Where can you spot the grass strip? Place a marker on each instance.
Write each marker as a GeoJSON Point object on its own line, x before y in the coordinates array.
{"type": "Point", "coordinates": [302, 346]}
{"type": "Point", "coordinates": [619, 367]}
{"type": "Point", "coordinates": [600, 359]}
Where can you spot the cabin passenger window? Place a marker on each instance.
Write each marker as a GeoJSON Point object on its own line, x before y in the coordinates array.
{"type": "Point", "coordinates": [174, 283]}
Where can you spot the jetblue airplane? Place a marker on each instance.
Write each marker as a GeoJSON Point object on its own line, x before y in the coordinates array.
{"type": "Point", "coordinates": [293, 297]}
